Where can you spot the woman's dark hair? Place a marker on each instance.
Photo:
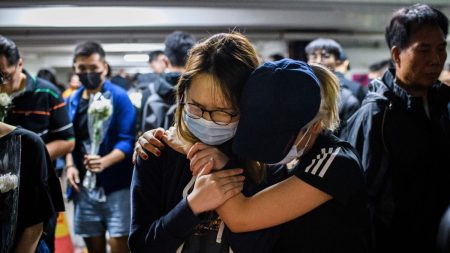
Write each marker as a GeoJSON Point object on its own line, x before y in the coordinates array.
{"type": "Point", "coordinates": [408, 19]}
{"type": "Point", "coordinates": [229, 58]}
{"type": "Point", "coordinates": [9, 50]}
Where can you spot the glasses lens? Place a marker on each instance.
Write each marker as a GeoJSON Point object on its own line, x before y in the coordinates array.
{"type": "Point", "coordinates": [221, 118]}
{"type": "Point", "coordinates": [193, 111]}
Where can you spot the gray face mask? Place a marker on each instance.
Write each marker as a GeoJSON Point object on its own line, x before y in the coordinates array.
{"type": "Point", "coordinates": [293, 152]}
{"type": "Point", "coordinates": [209, 132]}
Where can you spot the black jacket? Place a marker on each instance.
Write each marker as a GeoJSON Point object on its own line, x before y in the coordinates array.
{"type": "Point", "coordinates": [357, 89]}
{"type": "Point", "coordinates": [348, 105]}
{"type": "Point", "coordinates": [405, 155]}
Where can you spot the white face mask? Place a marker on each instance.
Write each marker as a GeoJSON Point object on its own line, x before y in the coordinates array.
{"type": "Point", "coordinates": [209, 132]}
{"type": "Point", "coordinates": [293, 152]}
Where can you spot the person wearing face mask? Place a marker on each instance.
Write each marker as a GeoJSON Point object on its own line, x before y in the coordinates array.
{"type": "Point", "coordinates": [110, 210]}
{"type": "Point", "coordinates": [167, 214]}
{"type": "Point", "coordinates": [288, 112]}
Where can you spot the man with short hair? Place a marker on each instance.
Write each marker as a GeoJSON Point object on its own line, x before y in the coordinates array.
{"type": "Point", "coordinates": [402, 133]}
{"type": "Point", "coordinates": [37, 106]}
{"type": "Point", "coordinates": [160, 113]}
{"type": "Point", "coordinates": [106, 207]}
{"type": "Point", "coordinates": [158, 63]}
{"type": "Point", "coordinates": [327, 52]}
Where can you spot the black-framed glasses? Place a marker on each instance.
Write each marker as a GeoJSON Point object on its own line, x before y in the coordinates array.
{"type": "Point", "coordinates": [7, 77]}
{"type": "Point", "coordinates": [219, 117]}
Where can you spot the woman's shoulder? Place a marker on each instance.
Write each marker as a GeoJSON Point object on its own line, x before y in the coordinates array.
{"type": "Point", "coordinates": [331, 158]}
{"type": "Point", "coordinates": [28, 138]}
{"type": "Point", "coordinates": [168, 160]}
{"type": "Point", "coordinates": [333, 167]}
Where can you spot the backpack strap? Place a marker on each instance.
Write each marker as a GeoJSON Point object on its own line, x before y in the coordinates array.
{"type": "Point", "coordinates": [151, 86]}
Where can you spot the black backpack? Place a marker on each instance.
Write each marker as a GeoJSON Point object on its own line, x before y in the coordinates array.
{"type": "Point", "coordinates": [154, 110]}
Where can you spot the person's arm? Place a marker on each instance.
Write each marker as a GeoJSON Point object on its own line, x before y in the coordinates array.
{"type": "Point", "coordinates": [72, 173]}
{"type": "Point", "coordinates": [29, 239]}
{"type": "Point", "coordinates": [61, 135]}
{"type": "Point", "coordinates": [59, 148]}
{"type": "Point", "coordinates": [331, 174]}
{"type": "Point", "coordinates": [124, 122]}
{"type": "Point", "coordinates": [272, 206]}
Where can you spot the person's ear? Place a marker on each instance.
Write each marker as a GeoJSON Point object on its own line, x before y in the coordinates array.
{"type": "Point", "coordinates": [395, 55]}
{"type": "Point", "coordinates": [20, 63]}
{"type": "Point", "coordinates": [19, 66]}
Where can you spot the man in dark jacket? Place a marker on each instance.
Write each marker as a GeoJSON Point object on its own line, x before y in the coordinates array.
{"type": "Point", "coordinates": [402, 132]}
{"type": "Point", "coordinates": [158, 96]}
{"type": "Point", "coordinates": [327, 52]}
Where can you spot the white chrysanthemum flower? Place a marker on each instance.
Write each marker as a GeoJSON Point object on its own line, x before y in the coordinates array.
{"type": "Point", "coordinates": [8, 182]}
{"type": "Point", "coordinates": [101, 107]}
{"type": "Point", "coordinates": [5, 99]}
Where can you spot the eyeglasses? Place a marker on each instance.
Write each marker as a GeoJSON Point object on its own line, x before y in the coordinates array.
{"type": "Point", "coordinates": [7, 78]}
{"type": "Point", "coordinates": [217, 116]}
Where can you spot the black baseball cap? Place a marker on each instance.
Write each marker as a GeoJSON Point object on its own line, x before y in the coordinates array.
{"type": "Point", "coordinates": [277, 101]}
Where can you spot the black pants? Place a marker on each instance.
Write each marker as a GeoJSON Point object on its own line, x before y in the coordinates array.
{"type": "Point", "coordinates": [49, 231]}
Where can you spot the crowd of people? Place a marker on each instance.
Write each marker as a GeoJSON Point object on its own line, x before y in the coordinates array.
{"type": "Point", "coordinates": [216, 151]}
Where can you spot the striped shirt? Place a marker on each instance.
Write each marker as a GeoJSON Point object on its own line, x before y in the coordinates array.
{"type": "Point", "coordinates": [41, 109]}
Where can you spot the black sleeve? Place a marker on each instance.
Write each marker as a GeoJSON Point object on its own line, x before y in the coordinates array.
{"type": "Point", "coordinates": [39, 197]}
{"type": "Point", "coordinates": [152, 230]}
{"type": "Point", "coordinates": [334, 172]}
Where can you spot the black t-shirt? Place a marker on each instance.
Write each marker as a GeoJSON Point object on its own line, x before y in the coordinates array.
{"type": "Point", "coordinates": [342, 223]}
{"type": "Point", "coordinates": [40, 193]}
{"type": "Point", "coordinates": [82, 138]}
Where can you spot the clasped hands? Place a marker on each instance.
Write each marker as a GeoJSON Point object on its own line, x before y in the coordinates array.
{"type": "Point", "coordinates": [213, 186]}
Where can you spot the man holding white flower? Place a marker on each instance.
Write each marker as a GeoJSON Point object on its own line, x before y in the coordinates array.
{"type": "Point", "coordinates": [104, 120]}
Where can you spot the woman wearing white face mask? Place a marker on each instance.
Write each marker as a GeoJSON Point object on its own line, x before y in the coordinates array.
{"type": "Point", "coordinates": [288, 111]}
{"type": "Point", "coordinates": [167, 214]}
